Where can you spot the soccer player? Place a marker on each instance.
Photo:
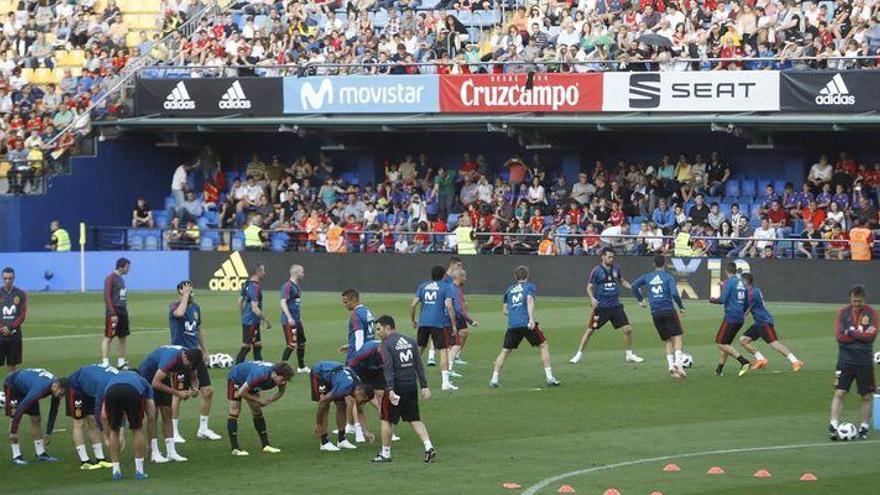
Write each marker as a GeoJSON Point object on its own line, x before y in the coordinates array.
{"type": "Point", "coordinates": [116, 324]}
{"type": "Point", "coordinates": [360, 331]}
{"type": "Point", "coordinates": [519, 307]}
{"type": "Point", "coordinates": [452, 265]}
{"type": "Point", "coordinates": [663, 296]}
{"type": "Point", "coordinates": [127, 396]}
{"type": "Point", "coordinates": [462, 320]}
{"type": "Point", "coordinates": [160, 368]}
{"type": "Point", "coordinates": [733, 297]}
{"type": "Point", "coordinates": [855, 332]}
{"type": "Point", "coordinates": [246, 381]}
{"type": "Point", "coordinates": [24, 389]}
{"type": "Point", "coordinates": [403, 376]}
{"type": "Point", "coordinates": [762, 328]}
{"type": "Point", "coordinates": [435, 298]}
{"type": "Point", "coordinates": [331, 382]}
{"type": "Point", "coordinates": [294, 333]}
{"type": "Point", "coordinates": [185, 321]}
{"type": "Point", "coordinates": [83, 386]}
{"type": "Point", "coordinates": [14, 304]}
{"type": "Point", "coordinates": [250, 304]}
{"type": "Point", "coordinates": [604, 291]}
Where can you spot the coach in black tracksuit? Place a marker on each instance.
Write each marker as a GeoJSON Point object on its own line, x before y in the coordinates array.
{"type": "Point", "coordinates": [404, 374]}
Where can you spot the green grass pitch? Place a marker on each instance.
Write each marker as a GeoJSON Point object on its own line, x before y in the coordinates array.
{"type": "Point", "coordinates": [607, 412]}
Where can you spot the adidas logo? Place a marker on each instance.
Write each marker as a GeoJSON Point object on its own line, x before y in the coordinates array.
{"type": "Point", "coordinates": [234, 98]}
{"type": "Point", "coordinates": [231, 275]}
{"type": "Point", "coordinates": [835, 93]}
{"type": "Point", "coordinates": [402, 345]}
{"type": "Point", "coordinates": [656, 280]}
{"type": "Point", "coordinates": [179, 99]}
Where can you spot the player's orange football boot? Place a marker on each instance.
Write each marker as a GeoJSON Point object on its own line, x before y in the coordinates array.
{"type": "Point", "coordinates": [760, 364]}
{"type": "Point", "coordinates": [797, 365]}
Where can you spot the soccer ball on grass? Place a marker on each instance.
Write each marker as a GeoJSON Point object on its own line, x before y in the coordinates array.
{"type": "Point", "coordinates": [2, 399]}
{"type": "Point", "coordinates": [847, 431]}
{"type": "Point", "coordinates": [687, 360]}
{"type": "Point", "coordinates": [877, 358]}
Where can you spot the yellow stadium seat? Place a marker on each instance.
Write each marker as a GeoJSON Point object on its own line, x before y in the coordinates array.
{"type": "Point", "coordinates": [27, 74]}
{"type": "Point", "coordinates": [132, 39]}
{"type": "Point", "coordinates": [42, 75]}
{"type": "Point", "coordinates": [57, 74]}
{"type": "Point", "coordinates": [99, 6]}
{"type": "Point", "coordinates": [77, 58]}
{"type": "Point", "coordinates": [61, 57]}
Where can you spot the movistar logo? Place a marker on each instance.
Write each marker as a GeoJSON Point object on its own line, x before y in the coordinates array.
{"type": "Point", "coordinates": [231, 275]}
{"type": "Point", "coordinates": [315, 99]}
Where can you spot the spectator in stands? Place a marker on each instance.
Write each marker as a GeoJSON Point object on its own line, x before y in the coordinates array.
{"type": "Point", "coordinates": [836, 215]}
{"type": "Point", "coordinates": [779, 219]}
{"type": "Point", "coordinates": [838, 245]}
{"type": "Point", "coordinates": [825, 197]}
{"type": "Point", "coordinates": [191, 208]}
{"type": "Point", "coordinates": [717, 174]}
{"type": "Point", "coordinates": [866, 212]}
{"type": "Point", "coordinates": [142, 215]}
{"type": "Point", "coordinates": [663, 218]}
{"type": "Point", "coordinates": [811, 247]}
{"type": "Point", "coordinates": [582, 191]}
{"type": "Point", "coordinates": [715, 217]}
{"type": "Point", "coordinates": [764, 236]}
{"type": "Point", "coordinates": [444, 188]}
{"type": "Point", "coordinates": [820, 174]}
{"type": "Point", "coordinates": [178, 184]}
{"type": "Point", "coordinates": [699, 211]}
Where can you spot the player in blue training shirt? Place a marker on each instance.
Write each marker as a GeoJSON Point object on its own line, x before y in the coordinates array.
{"type": "Point", "coordinates": [519, 307]}
{"type": "Point", "coordinates": [663, 296]}
{"type": "Point", "coordinates": [250, 304]}
{"type": "Point", "coordinates": [83, 386]}
{"type": "Point", "coordinates": [733, 297]}
{"type": "Point", "coordinates": [454, 263]}
{"type": "Point", "coordinates": [161, 368]}
{"type": "Point", "coordinates": [246, 381]}
{"type": "Point", "coordinates": [185, 321]}
{"type": "Point", "coordinates": [24, 389]}
{"type": "Point", "coordinates": [604, 291]}
{"type": "Point", "coordinates": [435, 298]}
{"type": "Point", "coordinates": [331, 382]}
{"type": "Point", "coordinates": [462, 320]}
{"type": "Point", "coordinates": [127, 397]}
{"type": "Point", "coordinates": [763, 328]}
{"type": "Point", "coordinates": [291, 321]}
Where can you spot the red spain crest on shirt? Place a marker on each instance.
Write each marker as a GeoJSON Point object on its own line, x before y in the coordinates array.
{"type": "Point", "coordinates": [16, 300]}
{"type": "Point", "coordinates": [866, 320]}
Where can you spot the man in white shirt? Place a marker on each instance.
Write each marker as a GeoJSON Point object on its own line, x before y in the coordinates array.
{"type": "Point", "coordinates": [766, 233]}
{"type": "Point", "coordinates": [178, 184]}
{"type": "Point", "coordinates": [610, 237]}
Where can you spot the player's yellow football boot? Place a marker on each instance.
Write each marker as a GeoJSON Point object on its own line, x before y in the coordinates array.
{"type": "Point", "coordinates": [745, 369]}
{"type": "Point", "coordinates": [268, 449]}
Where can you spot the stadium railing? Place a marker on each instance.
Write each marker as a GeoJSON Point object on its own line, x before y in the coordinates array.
{"type": "Point", "coordinates": [367, 241]}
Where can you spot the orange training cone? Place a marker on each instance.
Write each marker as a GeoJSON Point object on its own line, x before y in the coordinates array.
{"type": "Point", "coordinates": [808, 476]}
{"type": "Point", "coordinates": [511, 485]}
{"type": "Point", "coordinates": [656, 493]}
{"type": "Point", "coordinates": [715, 470]}
{"type": "Point", "coordinates": [566, 489]}
{"type": "Point", "coordinates": [671, 468]}
{"type": "Point", "coordinates": [611, 491]}
{"type": "Point", "coordinates": [762, 473]}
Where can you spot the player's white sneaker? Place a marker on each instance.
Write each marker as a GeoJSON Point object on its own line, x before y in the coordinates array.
{"type": "Point", "coordinates": [494, 384]}
{"type": "Point", "coordinates": [432, 362]}
{"type": "Point", "coordinates": [208, 434]}
{"type": "Point", "coordinates": [450, 387]}
{"type": "Point", "coordinates": [329, 447]}
{"type": "Point", "coordinates": [633, 358]}
{"type": "Point", "coordinates": [178, 438]}
{"type": "Point", "coordinates": [304, 369]}
{"type": "Point", "coordinates": [454, 374]}
{"type": "Point", "coordinates": [345, 444]}
{"type": "Point", "coordinates": [158, 458]}
{"type": "Point", "coordinates": [359, 437]}
{"type": "Point", "coordinates": [240, 453]}
{"type": "Point", "coordinates": [395, 438]}
{"type": "Point", "coordinates": [177, 457]}
{"type": "Point", "coordinates": [576, 358]}
{"type": "Point", "coordinates": [348, 429]}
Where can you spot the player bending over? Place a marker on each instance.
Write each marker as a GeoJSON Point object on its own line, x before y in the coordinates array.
{"type": "Point", "coordinates": [332, 382]}
{"type": "Point", "coordinates": [24, 389]}
{"type": "Point", "coordinates": [246, 381]}
{"type": "Point", "coordinates": [403, 376]}
{"type": "Point", "coordinates": [519, 307]}
{"type": "Point", "coordinates": [83, 387]}
{"type": "Point", "coordinates": [604, 291]}
{"type": "Point", "coordinates": [856, 330]}
{"type": "Point", "coordinates": [663, 296]}
{"type": "Point", "coordinates": [763, 328]}
{"type": "Point", "coordinates": [294, 333]}
{"type": "Point", "coordinates": [127, 397]}
{"type": "Point", "coordinates": [733, 297]}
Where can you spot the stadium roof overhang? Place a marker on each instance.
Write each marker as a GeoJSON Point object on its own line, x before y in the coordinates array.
{"type": "Point", "coordinates": [500, 123]}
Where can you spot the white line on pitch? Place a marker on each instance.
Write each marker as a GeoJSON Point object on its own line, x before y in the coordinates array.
{"type": "Point", "coordinates": [544, 483]}
{"type": "Point", "coordinates": [85, 335]}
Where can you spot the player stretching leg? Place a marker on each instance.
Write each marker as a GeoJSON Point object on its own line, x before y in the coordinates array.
{"type": "Point", "coordinates": [185, 320]}
{"type": "Point", "coordinates": [116, 324]}
{"type": "Point", "coordinates": [294, 334]}
{"type": "Point", "coordinates": [462, 320]}
{"type": "Point", "coordinates": [604, 291]}
{"type": "Point", "coordinates": [127, 396]}
{"type": "Point", "coordinates": [246, 381]}
{"type": "Point", "coordinates": [403, 375]}
{"type": "Point", "coordinates": [435, 298]}
{"type": "Point", "coordinates": [662, 293]}
{"type": "Point", "coordinates": [83, 387]}
{"type": "Point", "coordinates": [334, 383]}
{"type": "Point", "coordinates": [856, 330]}
{"type": "Point", "coordinates": [250, 304]}
{"type": "Point", "coordinates": [763, 328]}
{"type": "Point", "coordinates": [519, 307]}
{"type": "Point", "coordinates": [24, 389]}
{"type": "Point", "coordinates": [733, 297]}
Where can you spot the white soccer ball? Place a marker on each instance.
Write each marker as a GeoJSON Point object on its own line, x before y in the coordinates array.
{"type": "Point", "coordinates": [847, 431]}
{"type": "Point", "coordinates": [213, 361]}
{"type": "Point", "coordinates": [224, 361]}
{"type": "Point", "coordinates": [877, 358]}
{"type": "Point", "coordinates": [2, 399]}
{"type": "Point", "coordinates": [687, 360]}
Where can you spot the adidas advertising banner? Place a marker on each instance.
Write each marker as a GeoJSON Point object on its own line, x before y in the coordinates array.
{"type": "Point", "coordinates": [209, 97]}
{"type": "Point", "coordinates": [361, 94]}
{"type": "Point", "coordinates": [697, 278]}
{"type": "Point", "coordinates": [831, 91]}
{"type": "Point", "coordinates": [720, 91]}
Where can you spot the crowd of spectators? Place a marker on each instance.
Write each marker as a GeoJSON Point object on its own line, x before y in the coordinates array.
{"type": "Point", "coordinates": [670, 206]}
{"type": "Point", "coordinates": [459, 36]}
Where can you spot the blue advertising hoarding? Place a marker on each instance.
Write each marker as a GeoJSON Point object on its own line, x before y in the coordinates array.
{"type": "Point", "coordinates": [362, 94]}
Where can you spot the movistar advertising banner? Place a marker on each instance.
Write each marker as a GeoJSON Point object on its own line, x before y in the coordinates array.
{"type": "Point", "coordinates": [208, 97]}
{"type": "Point", "coordinates": [361, 94]}
{"type": "Point", "coordinates": [831, 91]}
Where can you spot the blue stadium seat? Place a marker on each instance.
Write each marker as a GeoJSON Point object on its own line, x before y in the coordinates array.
{"type": "Point", "coordinates": [214, 235]}
{"type": "Point", "coordinates": [731, 189]}
{"type": "Point", "coordinates": [151, 242]}
{"type": "Point", "coordinates": [725, 209]}
{"type": "Point", "coordinates": [170, 202]}
{"type": "Point", "coordinates": [212, 218]}
{"type": "Point", "coordinates": [797, 227]}
{"type": "Point", "coordinates": [136, 242]}
{"type": "Point", "coordinates": [452, 219]}
{"type": "Point", "coordinates": [237, 244]}
{"type": "Point", "coordinates": [206, 243]}
{"type": "Point", "coordinates": [202, 223]}
{"type": "Point", "coordinates": [278, 245]}
{"type": "Point", "coordinates": [634, 228]}
{"type": "Point", "coordinates": [749, 188]}
{"type": "Point", "coordinates": [232, 177]}
{"type": "Point", "coordinates": [160, 217]}
{"type": "Point", "coordinates": [779, 186]}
